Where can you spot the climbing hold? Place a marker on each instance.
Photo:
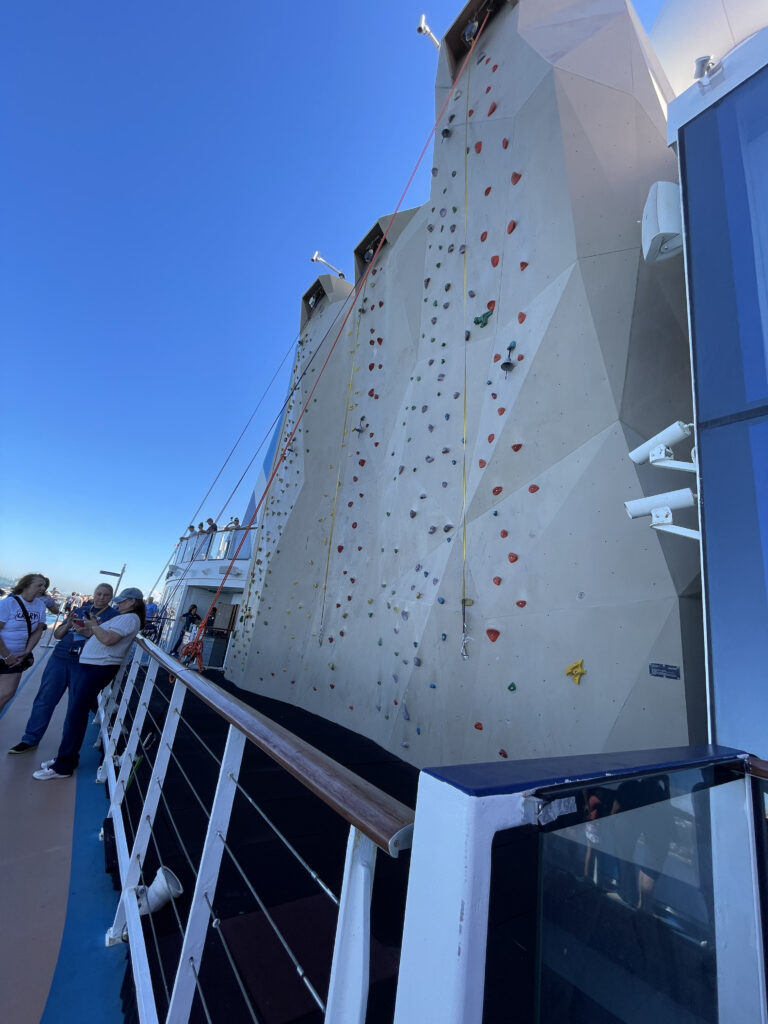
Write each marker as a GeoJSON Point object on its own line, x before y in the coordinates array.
{"type": "Point", "coordinates": [491, 437]}
{"type": "Point", "coordinates": [479, 726]}
{"type": "Point", "coordinates": [497, 581]}
{"type": "Point", "coordinates": [340, 548]}
{"type": "Point", "coordinates": [491, 305]}
{"type": "Point", "coordinates": [501, 410]}
{"type": "Point", "coordinates": [483, 236]}
{"type": "Point", "coordinates": [417, 662]}
{"type": "Point", "coordinates": [521, 604]}
{"type": "Point", "coordinates": [504, 533]}
{"type": "Point", "coordinates": [523, 264]}
{"type": "Point", "coordinates": [487, 191]}
{"type": "Point", "coordinates": [412, 513]}
{"type": "Point", "coordinates": [516, 447]}
{"type": "Point", "coordinates": [511, 226]}
{"type": "Point", "coordinates": [504, 143]}
{"type": "Point", "coordinates": [521, 318]}
{"type": "Point", "coordinates": [478, 146]}
{"type": "Point", "coordinates": [576, 671]}
{"type": "Point", "coordinates": [491, 109]}
{"type": "Point", "coordinates": [496, 357]}
{"type": "Point", "coordinates": [470, 112]}
{"type": "Point", "coordinates": [511, 556]}
{"type": "Point", "coordinates": [482, 320]}
{"type": "Point", "coordinates": [497, 490]}
{"type": "Point", "coordinates": [503, 753]}
{"type": "Point", "coordinates": [515, 178]}
{"type": "Point", "coordinates": [494, 261]}
{"type": "Point", "coordinates": [493, 635]}
{"type": "Point", "coordinates": [512, 687]}
{"type": "Point", "coordinates": [441, 600]}
{"type": "Point", "coordinates": [533, 488]}
{"type": "Point", "coordinates": [482, 463]}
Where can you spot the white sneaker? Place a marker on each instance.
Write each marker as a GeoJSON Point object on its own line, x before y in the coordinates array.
{"type": "Point", "coordinates": [48, 773]}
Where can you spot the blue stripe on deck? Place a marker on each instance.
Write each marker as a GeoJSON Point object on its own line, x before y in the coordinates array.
{"type": "Point", "coordinates": [88, 976]}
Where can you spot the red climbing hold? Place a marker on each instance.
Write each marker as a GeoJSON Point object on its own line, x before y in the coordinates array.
{"type": "Point", "coordinates": [496, 357]}
{"type": "Point", "coordinates": [482, 463]}
{"type": "Point", "coordinates": [515, 178]}
{"type": "Point", "coordinates": [501, 410]}
{"type": "Point", "coordinates": [491, 109]}
{"type": "Point", "coordinates": [371, 392]}
{"type": "Point", "coordinates": [470, 112]}
{"type": "Point", "coordinates": [520, 358]}
{"type": "Point", "coordinates": [491, 438]}
{"type": "Point", "coordinates": [497, 580]}
{"type": "Point", "coordinates": [504, 533]}
{"type": "Point", "coordinates": [483, 236]}
{"type": "Point", "coordinates": [354, 526]}
{"type": "Point", "coordinates": [491, 305]}
{"type": "Point", "coordinates": [340, 548]}
{"type": "Point", "coordinates": [516, 447]}
{"type": "Point", "coordinates": [479, 726]}
{"type": "Point", "coordinates": [497, 490]}
{"type": "Point", "coordinates": [478, 145]}
{"type": "Point", "coordinates": [361, 462]}
{"type": "Point", "coordinates": [523, 264]}
{"type": "Point", "coordinates": [521, 318]}
{"type": "Point", "coordinates": [487, 191]}
{"type": "Point", "coordinates": [511, 226]}
{"type": "Point", "coordinates": [533, 488]}
{"type": "Point", "coordinates": [493, 635]}
{"type": "Point", "coordinates": [379, 341]}
{"type": "Point", "coordinates": [504, 143]}
{"type": "Point", "coordinates": [495, 66]}
{"type": "Point", "coordinates": [521, 604]}
{"type": "Point", "coordinates": [371, 365]}
{"type": "Point", "coordinates": [494, 261]}
{"type": "Point", "coordinates": [494, 396]}
{"type": "Point", "coordinates": [503, 753]}
{"type": "Point", "coordinates": [512, 557]}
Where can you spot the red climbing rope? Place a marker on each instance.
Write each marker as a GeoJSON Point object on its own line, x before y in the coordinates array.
{"type": "Point", "coordinates": [359, 288]}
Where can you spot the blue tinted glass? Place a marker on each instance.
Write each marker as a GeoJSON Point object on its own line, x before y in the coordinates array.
{"type": "Point", "coordinates": [724, 159]}
{"type": "Point", "coordinates": [734, 492]}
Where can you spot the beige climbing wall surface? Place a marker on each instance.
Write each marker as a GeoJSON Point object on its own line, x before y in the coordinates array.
{"type": "Point", "coordinates": [444, 562]}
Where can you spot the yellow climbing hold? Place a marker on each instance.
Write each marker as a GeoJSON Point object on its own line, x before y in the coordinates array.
{"type": "Point", "coordinates": [576, 671]}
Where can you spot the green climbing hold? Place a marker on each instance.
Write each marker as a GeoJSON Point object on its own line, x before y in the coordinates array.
{"type": "Point", "coordinates": [379, 641]}
{"type": "Point", "coordinates": [512, 687]}
{"type": "Point", "coordinates": [482, 320]}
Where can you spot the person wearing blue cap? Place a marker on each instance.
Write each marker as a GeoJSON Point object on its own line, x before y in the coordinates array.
{"type": "Point", "coordinates": [105, 648]}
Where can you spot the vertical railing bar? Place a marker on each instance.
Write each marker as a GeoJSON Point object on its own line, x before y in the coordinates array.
{"type": "Point", "coordinates": [142, 977]}
{"type": "Point", "coordinates": [310, 870]}
{"type": "Point", "coordinates": [154, 792]}
{"type": "Point", "coordinates": [207, 876]}
{"type": "Point", "coordinates": [216, 925]}
{"type": "Point", "coordinates": [283, 941]}
{"type": "Point", "coordinates": [134, 738]}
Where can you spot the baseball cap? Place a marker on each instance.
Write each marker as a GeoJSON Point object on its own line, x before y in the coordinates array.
{"type": "Point", "coordinates": [126, 595]}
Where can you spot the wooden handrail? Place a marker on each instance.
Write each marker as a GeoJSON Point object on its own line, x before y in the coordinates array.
{"type": "Point", "coordinates": [385, 820]}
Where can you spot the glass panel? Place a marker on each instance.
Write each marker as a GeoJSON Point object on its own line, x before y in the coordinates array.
{"type": "Point", "coordinates": [630, 925]}
{"type": "Point", "coordinates": [734, 488]}
{"type": "Point", "coordinates": [724, 157]}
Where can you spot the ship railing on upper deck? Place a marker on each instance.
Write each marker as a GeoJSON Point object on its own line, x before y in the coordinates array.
{"type": "Point", "coordinates": [213, 546]}
{"type": "Point", "coordinates": [212, 812]}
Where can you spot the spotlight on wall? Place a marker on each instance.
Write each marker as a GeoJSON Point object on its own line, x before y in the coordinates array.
{"type": "Point", "coordinates": [507, 366]}
{"type": "Point", "coordinates": [667, 438]}
{"type": "Point", "coordinates": [705, 67]}
{"type": "Point", "coordinates": [317, 258]}
{"type": "Point", "coordinates": [165, 887]}
{"type": "Point", "coordinates": [424, 30]}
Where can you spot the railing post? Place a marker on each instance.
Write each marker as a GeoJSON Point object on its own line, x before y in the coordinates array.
{"type": "Point", "coordinates": [130, 866]}
{"type": "Point", "coordinates": [117, 783]}
{"type": "Point", "coordinates": [109, 737]}
{"type": "Point", "coordinates": [348, 990]}
{"type": "Point", "coordinates": [207, 877]}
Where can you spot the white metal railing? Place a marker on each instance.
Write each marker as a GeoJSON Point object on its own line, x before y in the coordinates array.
{"type": "Point", "coordinates": [140, 718]}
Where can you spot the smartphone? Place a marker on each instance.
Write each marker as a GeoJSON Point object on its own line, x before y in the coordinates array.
{"type": "Point", "coordinates": [79, 622]}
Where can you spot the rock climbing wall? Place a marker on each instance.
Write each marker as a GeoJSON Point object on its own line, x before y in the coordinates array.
{"type": "Point", "coordinates": [444, 562]}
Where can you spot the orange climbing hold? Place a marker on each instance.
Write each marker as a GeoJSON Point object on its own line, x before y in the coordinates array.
{"type": "Point", "coordinates": [478, 145]}
{"type": "Point", "coordinates": [521, 318]}
{"type": "Point", "coordinates": [496, 357]}
{"type": "Point", "coordinates": [504, 533]}
{"type": "Point", "coordinates": [501, 410]}
{"type": "Point", "coordinates": [516, 447]}
{"type": "Point", "coordinates": [493, 635]}
{"type": "Point", "coordinates": [491, 305]}
{"type": "Point", "coordinates": [494, 261]}
{"type": "Point", "coordinates": [511, 226]}
{"type": "Point", "coordinates": [482, 463]}
{"type": "Point", "coordinates": [515, 178]}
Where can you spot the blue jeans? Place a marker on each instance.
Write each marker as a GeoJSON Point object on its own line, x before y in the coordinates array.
{"type": "Point", "coordinates": [86, 683]}
{"type": "Point", "coordinates": [55, 681]}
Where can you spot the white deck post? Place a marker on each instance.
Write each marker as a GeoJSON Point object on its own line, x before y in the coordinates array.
{"type": "Point", "coordinates": [109, 738]}
{"type": "Point", "coordinates": [348, 989]}
{"type": "Point", "coordinates": [207, 877]}
{"type": "Point", "coordinates": [130, 866]}
{"type": "Point", "coordinates": [117, 783]}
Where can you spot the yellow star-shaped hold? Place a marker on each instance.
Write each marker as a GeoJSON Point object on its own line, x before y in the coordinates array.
{"type": "Point", "coordinates": [576, 671]}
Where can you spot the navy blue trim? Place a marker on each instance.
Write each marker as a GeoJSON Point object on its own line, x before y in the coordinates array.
{"type": "Point", "coordinates": [88, 976]}
{"type": "Point", "coordinates": [539, 773]}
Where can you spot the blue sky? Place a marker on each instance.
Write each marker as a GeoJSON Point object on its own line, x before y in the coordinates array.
{"type": "Point", "coordinates": [168, 169]}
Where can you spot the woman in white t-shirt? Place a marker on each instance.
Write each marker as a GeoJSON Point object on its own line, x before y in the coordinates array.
{"type": "Point", "coordinates": [99, 662]}
{"type": "Point", "coordinates": [22, 623]}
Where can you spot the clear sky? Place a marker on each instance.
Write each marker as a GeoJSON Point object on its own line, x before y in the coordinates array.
{"type": "Point", "coordinates": [168, 168]}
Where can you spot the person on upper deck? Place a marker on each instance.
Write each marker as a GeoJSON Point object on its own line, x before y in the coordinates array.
{"type": "Point", "coordinates": [100, 659]}
{"type": "Point", "coordinates": [189, 619]}
{"type": "Point", "coordinates": [22, 624]}
{"type": "Point", "coordinates": [63, 659]}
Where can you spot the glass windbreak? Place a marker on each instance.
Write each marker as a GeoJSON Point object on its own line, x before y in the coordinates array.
{"type": "Point", "coordinates": [646, 906]}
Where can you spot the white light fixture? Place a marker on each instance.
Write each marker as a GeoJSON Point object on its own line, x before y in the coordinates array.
{"type": "Point", "coordinates": [317, 258]}
{"type": "Point", "coordinates": [657, 451]}
{"type": "Point", "coordinates": [166, 887]}
{"type": "Point", "coordinates": [424, 30]}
